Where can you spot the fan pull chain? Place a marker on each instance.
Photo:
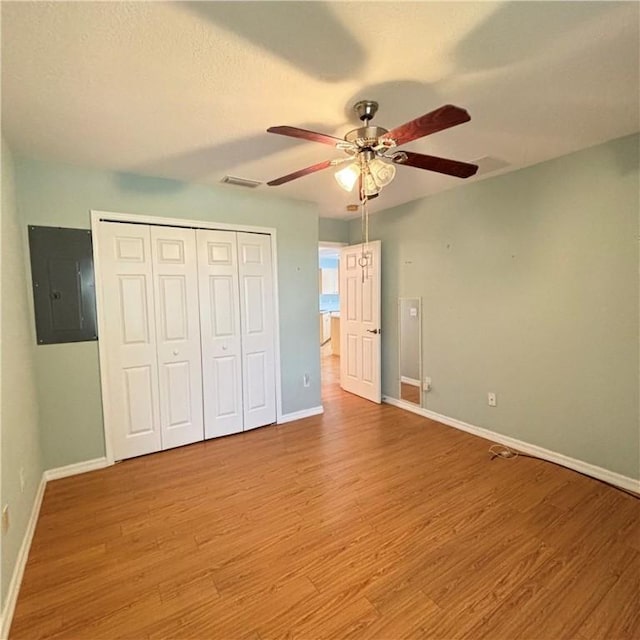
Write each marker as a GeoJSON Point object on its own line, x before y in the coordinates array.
{"type": "Point", "coordinates": [364, 261]}
{"type": "Point", "coordinates": [366, 235]}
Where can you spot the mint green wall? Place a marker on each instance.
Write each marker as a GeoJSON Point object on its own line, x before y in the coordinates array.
{"type": "Point", "coordinates": [332, 230]}
{"type": "Point", "coordinates": [19, 441]}
{"type": "Point", "coordinates": [529, 284]}
{"type": "Point", "coordinates": [67, 374]}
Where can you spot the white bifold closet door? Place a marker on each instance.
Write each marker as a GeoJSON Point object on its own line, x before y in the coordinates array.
{"type": "Point", "coordinates": [237, 322]}
{"type": "Point", "coordinates": [221, 336]}
{"type": "Point", "coordinates": [131, 403]}
{"type": "Point", "coordinates": [258, 327]}
{"type": "Point", "coordinates": [175, 275]}
{"type": "Point", "coordinates": [152, 333]}
{"type": "Point", "coordinates": [188, 323]}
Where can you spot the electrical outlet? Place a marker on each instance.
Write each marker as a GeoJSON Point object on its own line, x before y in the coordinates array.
{"type": "Point", "coordinates": [491, 399]}
{"type": "Point", "coordinates": [306, 380]}
{"type": "Point", "coordinates": [426, 385]}
{"type": "Point", "coordinates": [5, 518]}
{"type": "Point", "coordinates": [22, 482]}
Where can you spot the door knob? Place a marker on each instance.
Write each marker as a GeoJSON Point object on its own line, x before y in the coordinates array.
{"type": "Point", "coordinates": [175, 352]}
{"type": "Point", "coordinates": [224, 347]}
{"type": "Point", "coordinates": [374, 331]}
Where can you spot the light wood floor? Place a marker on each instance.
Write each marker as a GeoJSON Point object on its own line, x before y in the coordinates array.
{"type": "Point", "coordinates": [366, 522]}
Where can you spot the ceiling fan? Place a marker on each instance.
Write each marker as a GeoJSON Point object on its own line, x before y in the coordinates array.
{"type": "Point", "coordinates": [370, 150]}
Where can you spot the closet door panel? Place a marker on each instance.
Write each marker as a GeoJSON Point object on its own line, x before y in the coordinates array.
{"type": "Point", "coordinates": [178, 335]}
{"type": "Point", "coordinates": [139, 400]}
{"type": "Point", "coordinates": [257, 382]}
{"type": "Point", "coordinates": [228, 396]}
{"type": "Point", "coordinates": [257, 322]}
{"type": "Point", "coordinates": [221, 338]}
{"type": "Point", "coordinates": [132, 407]}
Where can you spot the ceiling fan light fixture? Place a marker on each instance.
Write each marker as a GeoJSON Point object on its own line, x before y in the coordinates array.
{"type": "Point", "coordinates": [377, 174]}
{"type": "Point", "coordinates": [348, 176]}
{"type": "Point", "coordinates": [371, 188]}
{"type": "Point", "coordinates": [383, 172]}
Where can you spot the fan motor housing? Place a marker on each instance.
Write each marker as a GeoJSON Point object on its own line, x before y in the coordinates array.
{"type": "Point", "coordinates": [365, 137]}
{"type": "Point", "coordinates": [366, 109]}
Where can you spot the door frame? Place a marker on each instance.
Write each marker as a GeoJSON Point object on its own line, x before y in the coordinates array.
{"type": "Point", "coordinates": [98, 216]}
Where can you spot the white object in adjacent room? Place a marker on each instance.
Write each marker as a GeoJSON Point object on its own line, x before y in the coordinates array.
{"type": "Point", "coordinates": [360, 320]}
{"type": "Point", "coordinates": [325, 327]}
{"type": "Point", "coordinates": [329, 281]}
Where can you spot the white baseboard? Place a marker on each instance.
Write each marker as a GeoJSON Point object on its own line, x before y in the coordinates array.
{"type": "Point", "coordinates": [298, 415]}
{"type": "Point", "coordinates": [412, 381]}
{"type": "Point", "coordinates": [21, 562]}
{"type": "Point", "coordinates": [617, 479]}
{"type": "Point", "coordinates": [75, 469]}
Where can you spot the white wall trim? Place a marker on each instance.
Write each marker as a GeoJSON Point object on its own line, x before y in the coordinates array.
{"type": "Point", "coordinates": [617, 479]}
{"type": "Point", "coordinates": [411, 381]}
{"type": "Point", "coordinates": [77, 468]}
{"type": "Point", "coordinates": [299, 415]}
{"type": "Point", "coordinates": [276, 318]}
{"type": "Point", "coordinates": [102, 355]}
{"type": "Point", "coordinates": [21, 562]}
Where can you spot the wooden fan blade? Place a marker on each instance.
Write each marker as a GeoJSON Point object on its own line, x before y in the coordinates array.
{"type": "Point", "coordinates": [442, 118]}
{"type": "Point", "coordinates": [294, 132]}
{"type": "Point", "coordinates": [302, 172]}
{"type": "Point", "coordinates": [433, 163]}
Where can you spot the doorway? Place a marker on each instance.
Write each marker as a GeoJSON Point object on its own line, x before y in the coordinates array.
{"type": "Point", "coordinates": [329, 308]}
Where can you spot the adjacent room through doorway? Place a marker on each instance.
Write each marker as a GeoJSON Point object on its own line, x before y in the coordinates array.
{"type": "Point", "coordinates": [329, 306]}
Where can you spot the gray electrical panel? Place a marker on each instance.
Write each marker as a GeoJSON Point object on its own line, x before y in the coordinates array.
{"type": "Point", "coordinates": [64, 292]}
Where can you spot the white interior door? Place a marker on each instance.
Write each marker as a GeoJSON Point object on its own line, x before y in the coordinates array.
{"type": "Point", "coordinates": [221, 336]}
{"type": "Point", "coordinates": [175, 276]}
{"type": "Point", "coordinates": [132, 406]}
{"type": "Point", "coordinates": [360, 324]}
{"type": "Point", "coordinates": [257, 325]}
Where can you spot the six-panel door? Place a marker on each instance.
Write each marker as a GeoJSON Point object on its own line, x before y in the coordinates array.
{"type": "Point", "coordinates": [360, 320]}
{"type": "Point", "coordinates": [175, 275]}
{"type": "Point", "coordinates": [221, 337]}
{"type": "Point", "coordinates": [132, 401]}
{"type": "Point", "coordinates": [257, 325]}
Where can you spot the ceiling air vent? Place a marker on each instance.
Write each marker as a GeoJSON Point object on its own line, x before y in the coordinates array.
{"type": "Point", "coordinates": [241, 182]}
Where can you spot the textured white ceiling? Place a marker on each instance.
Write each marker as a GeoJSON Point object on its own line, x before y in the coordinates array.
{"type": "Point", "coordinates": [187, 90]}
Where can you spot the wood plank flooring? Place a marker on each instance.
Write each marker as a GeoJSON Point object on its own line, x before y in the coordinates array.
{"type": "Point", "coordinates": [365, 522]}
